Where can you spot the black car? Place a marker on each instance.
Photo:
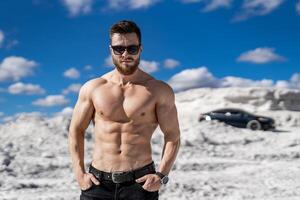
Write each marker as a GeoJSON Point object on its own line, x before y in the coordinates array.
{"type": "Point", "coordinates": [239, 118]}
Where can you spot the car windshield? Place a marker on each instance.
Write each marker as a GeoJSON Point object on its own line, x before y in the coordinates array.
{"type": "Point", "coordinates": [230, 112]}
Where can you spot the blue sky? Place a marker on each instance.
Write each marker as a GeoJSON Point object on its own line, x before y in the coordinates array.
{"type": "Point", "coordinates": [48, 49]}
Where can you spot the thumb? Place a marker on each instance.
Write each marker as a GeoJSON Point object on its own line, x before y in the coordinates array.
{"type": "Point", "coordinates": [142, 179]}
{"type": "Point", "coordinates": [94, 180]}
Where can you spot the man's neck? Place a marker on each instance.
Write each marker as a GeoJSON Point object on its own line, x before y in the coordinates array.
{"type": "Point", "coordinates": [124, 80]}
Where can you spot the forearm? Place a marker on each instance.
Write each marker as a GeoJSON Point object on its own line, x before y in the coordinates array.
{"type": "Point", "coordinates": [76, 148]}
{"type": "Point", "coordinates": [169, 154]}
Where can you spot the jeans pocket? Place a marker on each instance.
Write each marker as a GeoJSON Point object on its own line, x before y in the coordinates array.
{"type": "Point", "coordinates": [140, 185]}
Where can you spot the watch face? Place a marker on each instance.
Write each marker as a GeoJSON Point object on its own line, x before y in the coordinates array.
{"type": "Point", "coordinates": [165, 180]}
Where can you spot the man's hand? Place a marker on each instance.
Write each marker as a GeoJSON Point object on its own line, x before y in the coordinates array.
{"type": "Point", "coordinates": [152, 182]}
{"type": "Point", "coordinates": [86, 181]}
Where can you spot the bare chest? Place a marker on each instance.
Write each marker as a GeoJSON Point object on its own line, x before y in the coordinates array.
{"type": "Point", "coordinates": [117, 104]}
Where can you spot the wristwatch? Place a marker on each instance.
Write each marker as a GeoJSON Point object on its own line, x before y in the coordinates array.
{"type": "Point", "coordinates": [164, 179]}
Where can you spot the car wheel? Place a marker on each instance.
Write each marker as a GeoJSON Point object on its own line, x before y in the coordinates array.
{"type": "Point", "coordinates": [254, 125]}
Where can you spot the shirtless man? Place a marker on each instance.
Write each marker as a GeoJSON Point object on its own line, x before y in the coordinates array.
{"type": "Point", "coordinates": [125, 105]}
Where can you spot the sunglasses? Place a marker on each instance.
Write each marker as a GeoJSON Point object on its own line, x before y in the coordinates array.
{"type": "Point", "coordinates": [131, 49]}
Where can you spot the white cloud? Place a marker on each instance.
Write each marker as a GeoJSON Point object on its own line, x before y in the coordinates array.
{"type": "Point", "coordinates": [216, 4]}
{"type": "Point", "coordinates": [77, 7]}
{"type": "Point", "coordinates": [11, 43]}
{"type": "Point", "coordinates": [7, 119]}
{"type": "Point", "coordinates": [1, 38]}
{"type": "Point", "coordinates": [75, 87]}
{"type": "Point", "coordinates": [295, 78]}
{"type": "Point", "coordinates": [282, 84]}
{"type": "Point", "coordinates": [14, 68]}
{"type": "Point", "coordinates": [149, 66]}
{"type": "Point", "coordinates": [260, 56]}
{"type": "Point", "coordinates": [251, 8]}
{"type": "Point", "coordinates": [1, 114]}
{"type": "Point", "coordinates": [108, 61]}
{"type": "Point", "coordinates": [293, 83]}
{"type": "Point", "coordinates": [88, 67]}
{"type": "Point", "coordinates": [51, 100]}
{"type": "Point", "coordinates": [171, 63]}
{"type": "Point", "coordinates": [211, 5]}
{"type": "Point", "coordinates": [298, 7]}
{"type": "Point", "coordinates": [136, 4]}
{"type": "Point", "coordinates": [191, 1]}
{"type": "Point", "coordinates": [201, 77]}
{"type": "Point", "coordinates": [67, 111]}
{"type": "Point", "coordinates": [8, 42]}
{"type": "Point", "coordinates": [130, 4]}
{"type": "Point", "coordinates": [21, 88]}
{"type": "Point", "coordinates": [232, 81]}
{"type": "Point", "coordinates": [72, 73]}
{"type": "Point", "coordinates": [192, 78]}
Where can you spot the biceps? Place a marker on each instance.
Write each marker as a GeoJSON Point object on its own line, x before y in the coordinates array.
{"type": "Point", "coordinates": [167, 119]}
{"type": "Point", "coordinates": [82, 115]}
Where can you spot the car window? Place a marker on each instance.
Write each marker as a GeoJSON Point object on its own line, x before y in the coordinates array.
{"type": "Point", "coordinates": [236, 113]}
{"type": "Point", "coordinates": [245, 115]}
{"type": "Point", "coordinates": [219, 114]}
{"type": "Point", "coordinates": [220, 111]}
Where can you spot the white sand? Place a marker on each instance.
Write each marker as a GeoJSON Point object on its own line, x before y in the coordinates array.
{"type": "Point", "coordinates": [216, 161]}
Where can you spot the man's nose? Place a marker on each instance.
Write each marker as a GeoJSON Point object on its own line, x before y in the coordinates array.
{"type": "Point", "coordinates": [125, 53]}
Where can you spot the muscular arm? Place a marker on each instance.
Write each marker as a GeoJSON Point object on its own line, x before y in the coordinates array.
{"type": "Point", "coordinates": [168, 121]}
{"type": "Point", "coordinates": [82, 115]}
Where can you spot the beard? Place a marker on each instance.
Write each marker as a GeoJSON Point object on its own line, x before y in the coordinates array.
{"type": "Point", "coordinates": [126, 68]}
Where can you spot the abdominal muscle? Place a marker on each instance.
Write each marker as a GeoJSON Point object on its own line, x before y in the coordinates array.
{"type": "Point", "coordinates": [122, 146]}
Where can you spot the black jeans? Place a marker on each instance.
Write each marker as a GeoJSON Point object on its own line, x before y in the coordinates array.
{"type": "Point", "coordinates": [108, 190]}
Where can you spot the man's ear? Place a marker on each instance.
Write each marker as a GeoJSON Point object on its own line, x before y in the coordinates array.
{"type": "Point", "coordinates": [110, 49]}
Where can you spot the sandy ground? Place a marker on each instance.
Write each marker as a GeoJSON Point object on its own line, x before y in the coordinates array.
{"type": "Point", "coordinates": [216, 161]}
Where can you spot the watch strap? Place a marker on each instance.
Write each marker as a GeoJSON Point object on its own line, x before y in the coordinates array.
{"type": "Point", "coordinates": [164, 179]}
{"type": "Point", "coordinates": [161, 175]}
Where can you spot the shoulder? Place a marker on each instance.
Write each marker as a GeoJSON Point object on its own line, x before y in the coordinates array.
{"type": "Point", "coordinates": [93, 83]}
{"type": "Point", "coordinates": [163, 90]}
{"type": "Point", "coordinates": [161, 86]}
{"type": "Point", "coordinates": [88, 87]}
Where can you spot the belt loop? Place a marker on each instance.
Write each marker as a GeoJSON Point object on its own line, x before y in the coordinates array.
{"type": "Point", "coordinates": [100, 176]}
{"type": "Point", "coordinates": [97, 174]}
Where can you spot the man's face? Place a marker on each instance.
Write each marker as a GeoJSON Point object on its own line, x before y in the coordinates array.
{"type": "Point", "coordinates": [125, 63]}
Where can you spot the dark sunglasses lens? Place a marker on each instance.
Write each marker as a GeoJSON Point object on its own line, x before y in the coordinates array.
{"type": "Point", "coordinates": [133, 49]}
{"type": "Point", "coordinates": [118, 49]}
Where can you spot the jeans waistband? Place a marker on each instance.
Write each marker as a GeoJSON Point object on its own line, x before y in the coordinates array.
{"type": "Point", "coordinates": [123, 176]}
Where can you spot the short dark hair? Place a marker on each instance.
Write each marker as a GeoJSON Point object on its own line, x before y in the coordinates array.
{"type": "Point", "coordinates": [125, 26]}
